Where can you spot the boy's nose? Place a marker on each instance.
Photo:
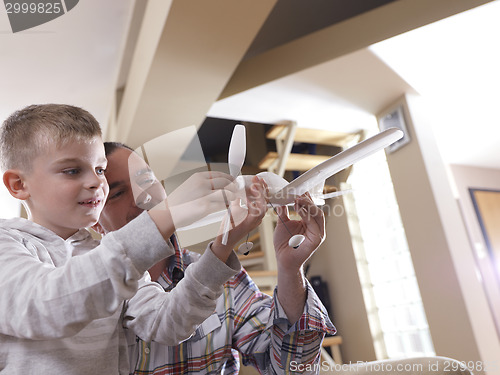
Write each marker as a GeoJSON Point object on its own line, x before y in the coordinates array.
{"type": "Point", "coordinates": [94, 181]}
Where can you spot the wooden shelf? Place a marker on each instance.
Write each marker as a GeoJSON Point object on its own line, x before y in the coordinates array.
{"type": "Point", "coordinates": [269, 292]}
{"type": "Point", "coordinates": [253, 254]}
{"type": "Point", "coordinates": [329, 189]}
{"type": "Point", "coordinates": [316, 136]}
{"type": "Point", "coordinates": [264, 279]}
{"type": "Point", "coordinates": [295, 162]}
{"type": "Point", "coordinates": [263, 273]}
{"type": "Point", "coordinates": [333, 342]}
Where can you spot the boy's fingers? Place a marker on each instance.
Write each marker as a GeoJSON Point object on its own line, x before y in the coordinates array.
{"type": "Point", "coordinates": [221, 183]}
{"type": "Point", "coordinates": [217, 174]}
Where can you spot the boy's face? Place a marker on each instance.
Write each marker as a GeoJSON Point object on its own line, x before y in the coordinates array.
{"type": "Point", "coordinates": [67, 188]}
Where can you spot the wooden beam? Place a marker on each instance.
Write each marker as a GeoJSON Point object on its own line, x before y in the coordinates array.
{"type": "Point", "coordinates": [284, 143]}
{"type": "Point", "coordinates": [341, 39]}
{"type": "Point", "coordinates": [199, 46]}
{"type": "Point", "coordinates": [145, 50]}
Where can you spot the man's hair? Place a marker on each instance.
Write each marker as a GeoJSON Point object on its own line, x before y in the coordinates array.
{"type": "Point", "coordinates": [28, 131]}
{"type": "Point", "coordinates": [110, 147]}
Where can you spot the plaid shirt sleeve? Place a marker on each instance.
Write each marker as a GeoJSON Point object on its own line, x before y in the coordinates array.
{"type": "Point", "coordinates": [266, 339]}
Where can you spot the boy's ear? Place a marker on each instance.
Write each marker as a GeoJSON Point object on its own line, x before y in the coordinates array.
{"type": "Point", "coordinates": [14, 183]}
{"type": "Point", "coordinates": [97, 227]}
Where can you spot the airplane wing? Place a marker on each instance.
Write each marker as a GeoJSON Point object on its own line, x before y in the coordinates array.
{"type": "Point", "coordinates": [335, 164]}
{"type": "Point", "coordinates": [284, 193]}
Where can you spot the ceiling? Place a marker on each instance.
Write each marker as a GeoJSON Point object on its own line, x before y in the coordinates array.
{"type": "Point", "coordinates": [342, 94]}
{"type": "Point", "coordinates": [454, 64]}
{"type": "Point", "coordinates": [73, 59]}
{"type": "Point", "coordinates": [257, 60]}
{"type": "Point", "coordinates": [292, 19]}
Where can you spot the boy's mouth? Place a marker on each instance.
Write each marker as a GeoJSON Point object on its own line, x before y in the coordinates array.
{"type": "Point", "coordinates": [91, 203]}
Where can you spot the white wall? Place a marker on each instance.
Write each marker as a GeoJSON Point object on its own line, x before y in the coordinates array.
{"type": "Point", "coordinates": [454, 299]}
{"type": "Point", "coordinates": [335, 263]}
{"type": "Point", "coordinates": [9, 207]}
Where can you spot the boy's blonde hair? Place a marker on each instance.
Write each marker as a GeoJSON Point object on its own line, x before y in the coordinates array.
{"type": "Point", "coordinates": [26, 132]}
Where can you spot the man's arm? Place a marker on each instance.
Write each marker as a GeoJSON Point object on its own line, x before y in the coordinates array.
{"type": "Point", "coordinates": [278, 334]}
{"type": "Point", "coordinates": [264, 336]}
{"type": "Point", "coordinates": [291, 280]}
{"type": "Point", "coordinates": [298, 320]}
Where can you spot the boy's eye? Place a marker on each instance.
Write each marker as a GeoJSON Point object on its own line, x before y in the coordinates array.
{"type": "Point", "coordinates": [71, 171]}
{"type": "Point", "coordinates": [101, 171]}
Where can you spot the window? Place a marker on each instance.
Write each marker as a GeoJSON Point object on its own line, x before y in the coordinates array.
{"type": "Point", "coordinates": [394, 306]}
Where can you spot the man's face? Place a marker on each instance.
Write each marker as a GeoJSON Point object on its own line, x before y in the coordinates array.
{"type": "Point", "coordinates": [132, 189]}
{"type": "Point", "coordinates": [67, 188]}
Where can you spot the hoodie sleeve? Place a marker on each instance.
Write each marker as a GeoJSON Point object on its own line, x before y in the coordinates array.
{"type": "Point", "coordinates": [41, 299]}
{"type": "Point", "coordinates": [172, 317]}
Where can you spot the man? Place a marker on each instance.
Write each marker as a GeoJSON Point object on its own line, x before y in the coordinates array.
{"type": "Point", "coordinates": [268, 333]}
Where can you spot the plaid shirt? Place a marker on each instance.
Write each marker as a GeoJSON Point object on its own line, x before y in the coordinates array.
{"type": "Point", "coordinates": [247, 325]}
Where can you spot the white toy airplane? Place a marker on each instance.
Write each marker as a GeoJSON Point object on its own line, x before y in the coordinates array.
{"type": "Point", "coordinates": [284, 193]}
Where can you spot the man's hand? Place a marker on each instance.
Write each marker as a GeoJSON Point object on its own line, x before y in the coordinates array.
{"type": "Point", "coordinates": [311, 225]}
{"type": "Point", "coordinates": [243, 220]}
{"type": "Point", "coordinates": [291, 280]}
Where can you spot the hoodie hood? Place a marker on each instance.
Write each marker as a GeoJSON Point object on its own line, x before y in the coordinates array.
{"type": "Point", "coordinates": [26, 227]}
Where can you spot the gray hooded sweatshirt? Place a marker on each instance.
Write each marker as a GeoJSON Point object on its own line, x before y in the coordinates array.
{"type": "Point", "coordinates": [67, 306]}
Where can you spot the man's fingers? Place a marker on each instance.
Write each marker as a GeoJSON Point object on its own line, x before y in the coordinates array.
{"type": "Point", "coordinates": [256, 200]}
{"type": "Point", "coordinates": [256, 207]}
{"type": "Point", "coordinates": [282, 212]}
{"type": "Point", "coordinates": [310, 213]}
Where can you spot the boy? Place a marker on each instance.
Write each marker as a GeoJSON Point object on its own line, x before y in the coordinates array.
{"type": "Point", "coordinates": [247, 326]}
{"type": "Point", "coordinates": [65, 298]}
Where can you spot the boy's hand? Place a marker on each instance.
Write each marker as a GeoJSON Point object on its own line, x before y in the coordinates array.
{"type": "Point", "coordinates": [201, 185]}
{"type": "Point", "coordinates": [201, 194]}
